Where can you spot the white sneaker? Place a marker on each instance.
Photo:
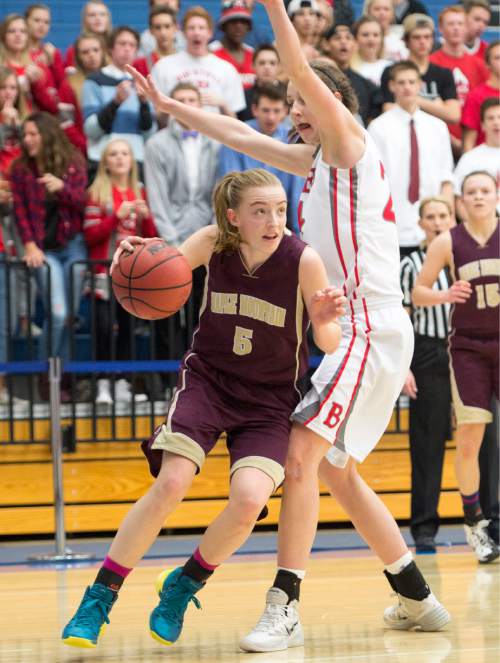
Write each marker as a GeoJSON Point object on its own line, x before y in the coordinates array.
{"type": "Point", "coordinates": [278, 628]}
{"type": "Point", "coordinates": [428, 614]}
{"type": "Point", "coordinates": [104, 396]}
{"type": "Point", "coordinates": [123, 392]}
{"type": "Point", "coordinates": [480, 541]}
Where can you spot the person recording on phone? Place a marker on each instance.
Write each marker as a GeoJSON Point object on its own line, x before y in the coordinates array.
{"type": "Point", "coordinates": [111, 106]}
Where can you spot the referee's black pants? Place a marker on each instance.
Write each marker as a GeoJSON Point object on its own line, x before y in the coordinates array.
{"type": "Point", "coordinates": [429, 430]}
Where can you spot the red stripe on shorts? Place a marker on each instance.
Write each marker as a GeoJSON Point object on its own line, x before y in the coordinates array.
{"type": "Point", "coordinates": [361, 369]}
{"type": "Point", "coordinates": [341, 368]}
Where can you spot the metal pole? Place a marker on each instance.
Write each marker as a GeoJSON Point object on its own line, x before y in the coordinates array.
{"type": "Point", "coordinates": [62, 553]}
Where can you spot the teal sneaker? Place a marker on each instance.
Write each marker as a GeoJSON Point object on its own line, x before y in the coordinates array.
{"type": "Point", "coordinates": [176, 591]}
{"type": "Point", "coordinates": [91, 617]}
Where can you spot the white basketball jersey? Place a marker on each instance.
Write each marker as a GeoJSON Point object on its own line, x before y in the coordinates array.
{"type": "Point", "coordinates": [346, 215]}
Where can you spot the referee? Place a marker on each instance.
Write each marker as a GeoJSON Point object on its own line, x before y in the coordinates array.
{"type": "Point", "coordinates": [428, 382]}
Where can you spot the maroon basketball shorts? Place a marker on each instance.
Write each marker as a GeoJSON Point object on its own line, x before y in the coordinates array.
{"type": "Point", "coordinates": [255, 418]}
{"type": "Point", "coordinates": [474, 377]}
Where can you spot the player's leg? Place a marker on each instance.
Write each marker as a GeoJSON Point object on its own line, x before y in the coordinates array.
{"type": "Point", "coordinates": [250, 489]}
{"type": "Point", "coordinates": [472, 384]}
{"type": "Point", "coordinates": [417, 606]}
{"type": "Point", "coordinates": [469, 438]}
{"type": "Point", "coordinates": [137, 532]}
{"type": "Point", "coordinates": [279, 626]}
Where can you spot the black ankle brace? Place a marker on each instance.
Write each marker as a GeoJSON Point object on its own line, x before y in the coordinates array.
{"type": "Point", "coordinates": [289, 583]}
{"type": "Point", "coordinates": [409, 582]}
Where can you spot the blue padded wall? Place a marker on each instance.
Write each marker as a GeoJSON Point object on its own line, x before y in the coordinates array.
{"type": "Point", "coordinates": [66, 14]}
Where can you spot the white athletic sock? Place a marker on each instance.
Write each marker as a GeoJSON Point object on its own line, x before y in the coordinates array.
{"type": "Point", "coordinates": [300, 573]}
{"type": "Point", "coordinates": [397, 566]}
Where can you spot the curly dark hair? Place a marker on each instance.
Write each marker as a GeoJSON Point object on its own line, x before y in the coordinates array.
{"type": "Point", "coordinates": [57, 152]}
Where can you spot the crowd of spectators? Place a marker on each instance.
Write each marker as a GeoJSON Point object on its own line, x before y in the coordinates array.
{"type": "Point", "coordinates": [84, 159]}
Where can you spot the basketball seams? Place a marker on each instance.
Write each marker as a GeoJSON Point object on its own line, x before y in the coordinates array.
{"type": "Point", "coordinates": [150, 269]}
{"type": "Point", "coordinates": [166, 287]}
{"type": "Point", "coordinates": [133, 301]}
{"type": "Point", "coordinates": [132, 290]}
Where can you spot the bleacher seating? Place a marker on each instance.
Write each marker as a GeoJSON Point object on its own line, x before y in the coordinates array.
{"type": "Point", "coordinates": [66, 14]}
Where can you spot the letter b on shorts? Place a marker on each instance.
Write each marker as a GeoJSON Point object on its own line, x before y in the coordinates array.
{"type": "Point", "coordinates": [333, 417]}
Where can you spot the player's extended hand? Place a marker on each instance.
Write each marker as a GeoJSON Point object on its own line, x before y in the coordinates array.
{"type": "Point", "coordinates": [126, 246]}
{"type": "Point", "coordinates": [458, 293]}
{"type": "Point", "coordinates": [146, 89]}
{"type": "Point", "coordinates": [410, 386]}
{"type": "Point", "coordinates": [327, 305]}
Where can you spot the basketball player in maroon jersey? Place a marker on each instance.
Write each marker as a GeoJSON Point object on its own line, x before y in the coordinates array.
{"type": "Point", "coordinates": [240, 377]}
{"type": "Point", "coordinates": [472, 251]}
{"type": "Point", "coordinates": [346, 215]}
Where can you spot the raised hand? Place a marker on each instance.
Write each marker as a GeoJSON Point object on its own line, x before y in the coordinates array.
{"type": "Point", "coordinates": [146, 89]}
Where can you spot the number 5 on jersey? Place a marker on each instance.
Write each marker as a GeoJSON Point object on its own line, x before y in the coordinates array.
{"type": "Point", "coordinates": [242, 344]}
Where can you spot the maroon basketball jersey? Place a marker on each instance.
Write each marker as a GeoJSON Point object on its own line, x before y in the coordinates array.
{"type": "Point", "coordinates": [480, 266]}
{"type": "Point", "coordinates": [253, 325]}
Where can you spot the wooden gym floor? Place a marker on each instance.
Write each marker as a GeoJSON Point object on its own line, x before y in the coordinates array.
{"type": "Point", "coordinates": [342, 603]}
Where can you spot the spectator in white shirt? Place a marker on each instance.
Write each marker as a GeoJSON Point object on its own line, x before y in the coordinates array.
{"type": "Point", "coordinates": [416, 153]}
{"type": "Point", "coordinates": [218, 81]}
{"type": "Point", "coordinates": [483, 157]}
{"type": "Point", "coordinates": [369, 61]}
{"type": "Point", "coordinates": [383, 10]}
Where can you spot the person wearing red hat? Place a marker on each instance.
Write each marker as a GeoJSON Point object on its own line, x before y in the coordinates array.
{"type": "Point", "coordinates": [235, 23]}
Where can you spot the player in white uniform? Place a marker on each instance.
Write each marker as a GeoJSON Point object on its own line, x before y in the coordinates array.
{"type": "Point", "coordinates": [347, 216]}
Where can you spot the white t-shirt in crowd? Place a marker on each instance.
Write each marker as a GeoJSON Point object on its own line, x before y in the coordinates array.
{"type": "Point", "coordinates": [482, 157]}
{"type": "Point", "coordinates": [394, 46]}
{"type": "Point", "coordinates": [373, 70]}
{"type": "Point", "coordinates": [208, 72]}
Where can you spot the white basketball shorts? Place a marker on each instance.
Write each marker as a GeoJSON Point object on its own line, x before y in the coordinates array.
{"type": "Point", "coordinates": [354, 389]}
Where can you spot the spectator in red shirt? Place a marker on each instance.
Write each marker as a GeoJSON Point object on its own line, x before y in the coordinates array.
{"type": "Point", "coordinates": [163, 28]}
{"type": "Point", "coordinates": [235, 23]}
{"type": "Point", "coordinates": [12, 113]}
{"type": "Point", "coordinates": [48, 187]}
{"type": "Point", "coordinates": [478, 16]}
{"type": "Point", "coordinates": [116, 208]}
{"type": "Point", "coordinates": [471, 121]}
{"type": "Point", "coordinates": [468, 70]}
{"type": "Point", "coordinates": [96, 20]}
{"type": "Point", "coordinates": [38, 21]}
{"type": "Point", "coordinates": [14, 53]}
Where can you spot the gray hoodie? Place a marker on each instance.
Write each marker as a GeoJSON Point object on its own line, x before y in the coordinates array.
{"type": "Point", "coordinates": [176, 212]}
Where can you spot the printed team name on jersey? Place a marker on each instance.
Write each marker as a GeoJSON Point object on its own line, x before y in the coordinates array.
{"type": "Point", "coordinates": [230, 303]}
{"type": "Point", "coordinates": [478, 268]}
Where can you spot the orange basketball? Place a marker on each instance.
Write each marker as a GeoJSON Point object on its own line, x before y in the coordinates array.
{"type": "Point", "coordinates": [153, 281]}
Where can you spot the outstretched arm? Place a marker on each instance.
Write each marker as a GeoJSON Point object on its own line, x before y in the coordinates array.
{"type": "Point", "coordinates": [295, 159]}
{"type": "Point", "coordinates": [438, 256]}
{"type": "Point", "coordinates": [342, 138]}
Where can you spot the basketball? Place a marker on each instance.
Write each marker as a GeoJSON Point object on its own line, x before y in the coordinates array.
{"type": "Point", "coordinates": [153, 281]}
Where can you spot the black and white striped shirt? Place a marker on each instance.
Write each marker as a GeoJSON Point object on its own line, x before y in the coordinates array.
{"type": "Point", "coordinates": [433, 321]}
